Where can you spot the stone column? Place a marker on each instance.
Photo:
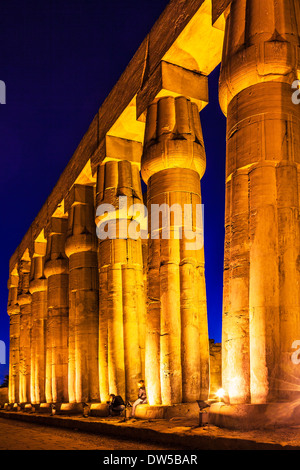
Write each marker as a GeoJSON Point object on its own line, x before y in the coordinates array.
{"type": "Point", "coordinates": [24, 301]}
{"type": "Point", "coordinates": [173, 162]}
{"type": "Point", "coordinates": [122, 301]}
{"type": "Point", "coordinates": [56, 271]}
{"type": "Point", "coordinates": [13, 310]}
{"type": "Point", "coordinates": [38, 290]}
{"type": "Point", "coordinates": [261, 317]}
{"type": "Point", "coordinates": [215, 367]}
{"type": "Point", "coordinates": [81, 248]}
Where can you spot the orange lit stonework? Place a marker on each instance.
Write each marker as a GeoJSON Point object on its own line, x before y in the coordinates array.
{"type": "Point", "coordinates": [91, 317]}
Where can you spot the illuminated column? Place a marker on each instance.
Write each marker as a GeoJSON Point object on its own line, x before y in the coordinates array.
{"type": "Point", "coordinates": [81, 248]}
{"type": "Point", "coordinates": [56, 271]}
{"type": "Point", "coordinates": [24, 301]}
{"type": "Point", "coordinates": [13, 310]}
{"type": "Point", "coordinates": [261, 317]}
{"type": "Point", "coordinates": [38, 290]}
{"type": "Point", "coordinates": [173, 162]}
{"type": "Point", "coordinates": [122, 300]}
{"type": "Point", "coordinates": [235, 337]}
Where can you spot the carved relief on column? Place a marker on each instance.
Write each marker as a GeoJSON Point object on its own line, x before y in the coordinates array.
{"type": "Point", "coordinates": [122, 299]}
{"type": "Point", "coordinates": [81, 248]}
{"type": "Point", "coordinates": [177, 347]}
{"type": "Point", "coordinates": [13, 310]}
{"type": "Point", "coordinates": [56, 271]}
{"type": "Point", "coordinates": [24, 301]}
{"type": "Point", "coordinates": [38, 290]}
{"type": "Point", "coordinates": [261, 280]}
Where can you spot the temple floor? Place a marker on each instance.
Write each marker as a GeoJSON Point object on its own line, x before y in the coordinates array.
{"type": "Point", "coordinates": [177, 433]}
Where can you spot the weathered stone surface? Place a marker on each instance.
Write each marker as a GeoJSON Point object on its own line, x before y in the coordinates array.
{"type": "Point", "coordinates": [38, 290]}
{"type": "Point", "coordinates": [261, 277]}
{"type": "Point", "coordinates": [24, 302]}
{"type": "Point", "coordinates": [56, 271]}
{"type": "Point", "coordinates": [81, 249]}
{"type": "Point", "coordinates": [121, 280]}
{"type": "Point", "coordinates": [13, 310]}
{"type": "Point", "coordinates": [3, 396]}
{"type": "Point", "coordinates": [96, 346]}
{"type": "Point", "coordinates": [255, 416]}
{"type": "Point", "coordinates": [177, 338]}
{"type": "Point", "coordinates": [193, 43]}
{"type": "Point", "coordinates": [53, 323]}
{"type": "Point", "coordinates": [215, 368]}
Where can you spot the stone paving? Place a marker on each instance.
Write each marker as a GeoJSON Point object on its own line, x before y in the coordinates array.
{"type": "Point", "coordinates": [18, 435]}
{"type": "Point", "coordinates": [176, 433]}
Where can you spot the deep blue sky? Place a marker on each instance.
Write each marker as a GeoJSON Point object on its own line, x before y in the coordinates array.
{"type": "Point", "coordinates": [59, 60]}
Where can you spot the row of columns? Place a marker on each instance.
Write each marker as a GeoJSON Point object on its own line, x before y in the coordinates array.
{"type": "Point", "coordinates": [85, 322]}
{"type": "Point", "coordinates": [88, 313]}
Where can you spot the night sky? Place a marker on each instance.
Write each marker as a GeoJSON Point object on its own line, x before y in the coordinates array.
{"type": "Point", "coordinates": [59, 60]}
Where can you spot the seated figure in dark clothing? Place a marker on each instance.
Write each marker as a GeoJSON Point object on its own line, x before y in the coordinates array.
{"type": "Point", "coordinates": [115, 405]}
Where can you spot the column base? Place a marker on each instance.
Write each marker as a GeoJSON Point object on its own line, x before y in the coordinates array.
{"type": "Point", "coordinates": [44, 408]}
{"type": "Point", "coordinates": [17, 407]}
{"type": "Point", "coordinates": [60, 408]}
{"type": "Point", "coordinates": [245, 417]}
{"type": "Point", "coordinates": [181, 410]}
{"type": "Point", "coordinates": [99, 409]}
{"type": "Point", "coordinates": [69, 408]}
{"type": "Point", "coordinates": [30, 408]}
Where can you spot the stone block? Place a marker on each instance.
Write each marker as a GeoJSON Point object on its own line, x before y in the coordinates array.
{"type": "Point", "coordinates": [99, 409]}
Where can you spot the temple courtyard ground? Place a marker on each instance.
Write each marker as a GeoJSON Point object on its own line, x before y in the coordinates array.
{"type": "Point", "coordinates": [19, 431]}
{"type": "Point", "coordinates": [18, 435]}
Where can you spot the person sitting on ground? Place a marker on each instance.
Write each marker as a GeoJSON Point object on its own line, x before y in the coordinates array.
{"type": "Point", "coordinates": [115, 405]}
{"type": "Point", "coordinates": [142, 397]}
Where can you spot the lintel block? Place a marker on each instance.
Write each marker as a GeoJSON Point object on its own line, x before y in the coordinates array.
{"type": "Point", "coordinates": [116, 149]}
{"type": "Point", "coordinates": [172, 80]}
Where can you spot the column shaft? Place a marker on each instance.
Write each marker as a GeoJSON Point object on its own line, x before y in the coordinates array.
{"type": "Point", "coordinates": [103, 335]}
{"type": "Point", "coordinates": [81, 248]}
{"type": "Point", "coordinates": [236, 343]}
{"type": "Point", "coordinates": [56, 271]}
{"type": "Point", "coordinates": [121, 283]}
{"type": "Point", "coordinates": [261, 279]}
{"type": "Point", "coordinates": [24, 301]}
{"type": "Point", "coordinates": [13, 310]}
{"type": "Point", "coordinates": [264, 284]}
{"type": "Point", "coordinates": [152, 340]}
{"type": "Point", "coordinates": [38, 290]}
{"type": "Point", "coordinates": [289, 264]}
